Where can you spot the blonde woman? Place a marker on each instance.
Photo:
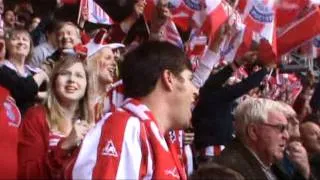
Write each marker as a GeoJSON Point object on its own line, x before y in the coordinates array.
{"type": "Point", "coordinates": [102, 69]}
{"type": "Point", "coordinates": [50, 133]}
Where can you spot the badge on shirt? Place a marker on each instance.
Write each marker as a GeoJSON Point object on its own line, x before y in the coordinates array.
{"type": "Point", "coordinates": [12, 112]}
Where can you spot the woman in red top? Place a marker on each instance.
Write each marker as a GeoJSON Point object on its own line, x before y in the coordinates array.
{"type": "Point", "coordinates": [51, 133]}
{"type": "Point", "coordinates": [10, 120]}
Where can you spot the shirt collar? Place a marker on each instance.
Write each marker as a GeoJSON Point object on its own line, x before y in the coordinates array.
{"type": "Point", "coordinates": [27, 69]}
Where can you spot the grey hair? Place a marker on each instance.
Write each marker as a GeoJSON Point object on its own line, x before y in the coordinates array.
{"type": "Point", "coordinates": [69, 23]}
{"type": "Point", "coordinates": [287, 110]}
{"type": "Point", "coordinates": [253, 110]}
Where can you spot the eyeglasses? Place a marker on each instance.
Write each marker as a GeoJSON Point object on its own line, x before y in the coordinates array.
{"type": "Point", "coordinates": [280, 127]}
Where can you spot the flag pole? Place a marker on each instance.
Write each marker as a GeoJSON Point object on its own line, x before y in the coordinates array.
{"type": "Point", "coordinates": [146, 24]}
{"type": "Point", "coordinates": [80, 10]}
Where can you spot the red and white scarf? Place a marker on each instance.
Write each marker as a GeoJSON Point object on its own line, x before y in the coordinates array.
{"type": "Point", "coordinates": [166, 162]}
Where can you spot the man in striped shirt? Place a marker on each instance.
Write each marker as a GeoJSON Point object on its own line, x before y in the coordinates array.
{"type": "Point", "coordinates": [132, 142]}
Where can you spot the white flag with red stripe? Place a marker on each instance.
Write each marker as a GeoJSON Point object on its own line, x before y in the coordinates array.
{"type": "Point", "coordinates": [171, 34]}
{"type": "Point", "coordinates": [95, 13]}
{"type": "Point", "coordinates": [207, 15]}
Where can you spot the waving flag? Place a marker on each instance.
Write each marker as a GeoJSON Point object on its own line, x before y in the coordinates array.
{"type": "Point", "coordinates": [289, 10]}
{"type": "Point", "coordinates": [233, 45]}
{"type": "Point", "coordinates": [95, 13]}
{"type": "Point", "coordinates": [197, 44]}
{"type": "Point", "coordinates": [299, 31]}
{"type": "Point", "coordinates": [259, 18]}
{"type": "Point", "coordinates": [171, 34]}
{"type": "Point", "coordinates": [207, 15]}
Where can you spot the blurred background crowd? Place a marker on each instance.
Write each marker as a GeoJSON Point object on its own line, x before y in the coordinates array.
{"type": "Point", "coordinates": [60, 73]}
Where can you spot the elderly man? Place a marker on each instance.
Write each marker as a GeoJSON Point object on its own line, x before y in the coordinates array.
{"type": "Point", "coordinates": [262, 135]}
{"type": "Point", "coordinates": [68, 35]}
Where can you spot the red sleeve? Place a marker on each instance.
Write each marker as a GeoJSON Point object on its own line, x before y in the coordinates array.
{"type": "Point", "coordinates": [10, 120]}
{"type": "Point", "coordinates": [33, 145]}
{"type": "Point", "coordinates": [35, 159]}
{"type": "Point", "coordinates": [59, 158]}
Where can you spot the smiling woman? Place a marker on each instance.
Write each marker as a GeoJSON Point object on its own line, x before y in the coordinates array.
{"type": "Point", "coordinates": [102, 69]}
{"type": "Point", "coordinates": [51, 133]}
{"type": "Point", "coordinates": [20, 79]}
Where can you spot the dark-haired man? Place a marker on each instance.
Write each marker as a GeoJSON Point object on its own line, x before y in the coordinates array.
{"type": "Point", "coordinates": [132, 145]}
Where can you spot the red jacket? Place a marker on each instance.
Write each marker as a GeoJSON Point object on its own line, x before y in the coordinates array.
{"type": "Point", "coordinates": [39, 149]}
{"type": "Point", "coordinates": [10, 120]}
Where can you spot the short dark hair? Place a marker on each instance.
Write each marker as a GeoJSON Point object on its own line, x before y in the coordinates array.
{"type": "Point", "coordinates": [143, 66]}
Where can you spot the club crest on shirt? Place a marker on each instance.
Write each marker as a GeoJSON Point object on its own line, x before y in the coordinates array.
{"type": "Point", "coordinates": [12, 113]}
{"type": "Point", "coordinates": [261, 12]}
{"type": "Point", "coordinates": [110, 149]}
{"type": "Point", "coordinates": [196, 5]}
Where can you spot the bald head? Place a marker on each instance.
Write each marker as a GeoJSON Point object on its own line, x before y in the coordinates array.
{"type": "Point", "coordinates": [293, 122]}
{"type": "Point", "coordinates": [310, 136]}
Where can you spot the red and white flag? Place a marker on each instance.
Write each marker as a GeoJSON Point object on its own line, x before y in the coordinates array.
{"type": "Point", "coordinates": [300, 31]}
{"type": "Point", "coordinates": [289, 10]}
{"type": "Point", "coordinates": [259, 18]}
{"type": "Point", "coordinates": [232, 46]}
{"type": "Point", "coordinates": [171, 34]}
{"type": "Point", "coordinates": [207, 15]}
{"type": "Point", "coordinates": [95, 13]}
{"type": "Point", "coordinates": [197, 44]}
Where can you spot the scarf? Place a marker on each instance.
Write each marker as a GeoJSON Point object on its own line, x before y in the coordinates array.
{"type": "Point", "coordinates": [166, 162]}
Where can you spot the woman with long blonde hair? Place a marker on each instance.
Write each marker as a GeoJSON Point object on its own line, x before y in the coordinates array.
{"type": "Point", "coordinates": [102, 68]}
{"type": "Point", "coordinates": [51, 133]}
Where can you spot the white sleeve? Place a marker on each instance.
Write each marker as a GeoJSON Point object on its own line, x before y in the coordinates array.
{"type": "Point", "coordinates": [87, 157]}
{"type": "Point", "coordinates": [131, 154]}
{"type": "Point", "coordinates": [203, 71]}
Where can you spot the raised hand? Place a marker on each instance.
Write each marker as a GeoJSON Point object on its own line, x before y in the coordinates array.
{"type": "Point", "coordinates": [298, 155]}
{"type": "Point", "coordinates": [215, 41]}
{"type": "Point", "coordinates": [139, 7]}
{"type": "Point", "coordinates": [248, 58]}
{"type": "Point", "coordinates": [160, 17]}
{"type": "Point", "coordinates": [78, 132]}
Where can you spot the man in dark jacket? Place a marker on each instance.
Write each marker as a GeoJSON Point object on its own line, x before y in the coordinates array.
{"type": "Point", "coordinates": [262, 135]}
{"type": "Point", "coordinates": [212, 117]}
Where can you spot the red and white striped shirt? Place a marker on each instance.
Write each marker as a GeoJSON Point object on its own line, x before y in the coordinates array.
{"type": "Point", "coordinates": [129, 146]}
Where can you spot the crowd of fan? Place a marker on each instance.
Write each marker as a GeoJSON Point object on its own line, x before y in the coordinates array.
{"type": "Point", "coordinates": [81, 104]}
